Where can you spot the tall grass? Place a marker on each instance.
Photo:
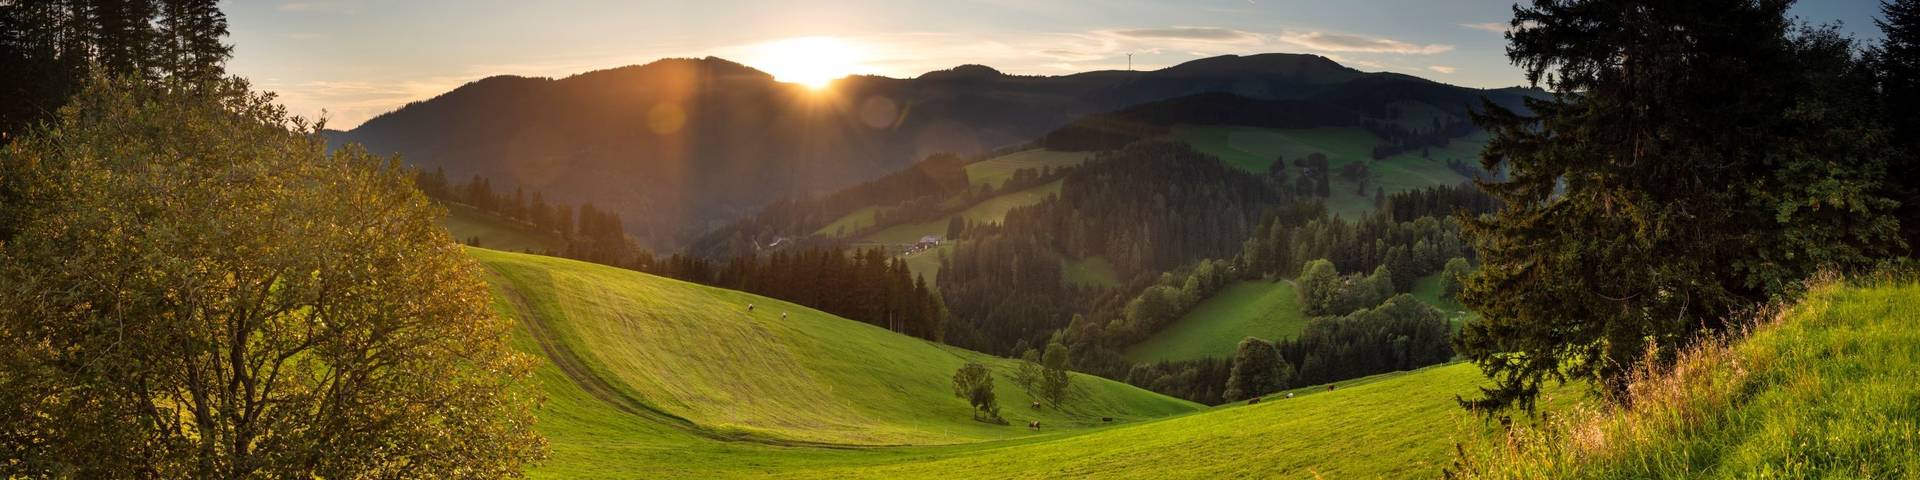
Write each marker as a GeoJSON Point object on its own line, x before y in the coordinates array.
{"type": "Point", "coordinates": [1826, 388]}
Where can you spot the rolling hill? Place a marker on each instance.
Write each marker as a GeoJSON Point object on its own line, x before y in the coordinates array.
{"type": "Point", "coordinates": [618, 353]}
{"type": "Point", "coordinates": [697, 358]}
{"type": "Point", "coordinates": [645, 374]}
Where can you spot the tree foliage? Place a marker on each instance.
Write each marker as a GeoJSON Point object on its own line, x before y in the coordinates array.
{"type": "Point", "coordinates": [1697, 158]}
{"type": "Point", "coordinates": [1896, 64]}
{"type": "Point", "coordinates": [975, 384]}
{"type": "Point", "coordinates": [195, 287]}
{"type": "Point", "coordinates": [1258, 370]}
{"type": "Point", "coordinates": [1054, 381]}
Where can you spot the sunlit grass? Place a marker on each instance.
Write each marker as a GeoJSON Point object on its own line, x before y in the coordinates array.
{"type": "Point", "coordinates": [1825, 389]}
{"type": "Point", "coordinates": [1268, 310]}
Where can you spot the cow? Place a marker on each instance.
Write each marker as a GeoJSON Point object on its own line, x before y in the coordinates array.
{"type": "Point", "coordinates": [1253, 401]}
{"type": "Point", "coordinates": [1036, 405]}
{"type": "Point", "coordinates": [1106, 419]}
{"type": "Point", "coordinates": [1033, 425]}
{"type": "Point", "coordinates": [1329, 387]}
{"type": "Point", "coordinates": [783, 315]}
{"type": "Point", "coordinates": [1289, 394]}
{"type": "Point", "coordinates": [749, 307]}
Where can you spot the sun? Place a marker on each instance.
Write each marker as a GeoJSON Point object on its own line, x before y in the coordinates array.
{"type": "Point", "coordinates": [811, 61]}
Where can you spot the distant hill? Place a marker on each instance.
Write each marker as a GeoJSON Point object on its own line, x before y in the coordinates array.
{"type": "Point", "coordinates": [679, 147]}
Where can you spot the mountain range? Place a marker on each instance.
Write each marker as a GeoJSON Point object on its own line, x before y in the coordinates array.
{"type": "Point", "coordinates": [679, 147]}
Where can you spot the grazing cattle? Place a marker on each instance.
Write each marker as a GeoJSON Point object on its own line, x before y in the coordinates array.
{"type": "Point", "coordinates": [1329, 387]}
{"type": "Point", "coordinates": [1033, 425]}
{"type": "Point", "coordinates": [1253, 401]}
{"type": "Point", "coordinates": [749, 307]}
{"type": "Point", "coordinates": [783, 315]}
{"type": "Point", "coordinates": [1106, 419]}
{"type": "Point", "coordinates": [1289, 394]}
{"type": "Point", "coordinates": [1036, 405]}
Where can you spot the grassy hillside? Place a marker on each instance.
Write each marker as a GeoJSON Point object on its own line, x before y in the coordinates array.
{"type": "Point", "coordinates": [646, 376]}
{"type": "Point", "coordinates": [1254, 149]}
{"type": "Point", "coordinates": [851, 222]}
{"type": "Point", "coordinates": [496, 233]}
{"type": "Point", "coordinates": [990, 210]}
{"type": "Point", "coordinates": [926, 263]}
{"type": "Point", "coordinates": [1260, 309]}
{"type": "Point", "coordinates": [1824, 390]}
{"type": "Point", "coordinates": [693, 356]}
{"type": "Point", "coordinates": [1398, 425]}
{"type": "Point", "coordinates": [997, 170]}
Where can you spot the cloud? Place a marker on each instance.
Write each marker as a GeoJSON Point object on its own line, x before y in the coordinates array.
{"type": "Point", "coordinates": [1495, 27]}
{"type": "Point", "coordinates": [1441, 68]}
{"type": "Point", "coordinates": [1208, 34]}
{"type": "Point", "coordinates": [1334, 42]}
{"type": "Point", "coordinates": [295, 6]}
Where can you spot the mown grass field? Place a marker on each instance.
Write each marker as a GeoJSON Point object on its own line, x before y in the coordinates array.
{"type": "Point", "coordinates": [656, 378]}
{"type": "Point", "coordinates": [465, 222]}
{"type": "Point", "coordinates": [696, 354]}
{"type": "Point", "coordinates": [1826, 390]}
{"type": "Point", "coordinates": [1260, 309]}
{"type": "Point", "coordinates": [997, 170]}
{"type": "Point", "coordinates": [990, 210]}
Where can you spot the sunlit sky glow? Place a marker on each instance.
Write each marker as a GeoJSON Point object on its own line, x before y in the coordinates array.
{"type": "Point", "coordinates": [359, 58]}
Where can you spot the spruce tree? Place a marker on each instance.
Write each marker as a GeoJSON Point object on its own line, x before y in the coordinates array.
{"type": "Point", "coordinates": [1692, 162]}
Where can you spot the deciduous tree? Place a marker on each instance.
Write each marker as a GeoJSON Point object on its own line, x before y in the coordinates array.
{"type": "Point", "coordinates": [197, 287]}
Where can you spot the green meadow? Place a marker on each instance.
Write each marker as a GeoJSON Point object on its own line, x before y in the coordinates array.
{"type": "Point", "coordinates": [995, 171]}
{"type": "Point", "coordinates": [647, 374]}
{"type": "Point", "coordinates": [993, 209]}
{"type": "Point", "coordinates": [1255, 149]}
{"type": "Point", "coordinates": [465, 222]}
{"type": "Point", "coordinates": [1268, 310]}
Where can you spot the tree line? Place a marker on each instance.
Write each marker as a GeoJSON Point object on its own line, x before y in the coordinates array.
{"type": "Point", "coordinates": [51, 48]}
{"type": "Point", "coordinates": [586, 233]}
{"type": "Point", "coordinates": [863, 285]}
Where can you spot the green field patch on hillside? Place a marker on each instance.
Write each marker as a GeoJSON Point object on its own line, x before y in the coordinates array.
{"type": "Point", "coordinates": [1259, 309]}
{"type": "Point", "coordinates": [995, 171]}
{"type": "Point", "coordinates": [990, 210]}
{"type": "Point", "coordinates": [464, 223]}
{"type": "Point", "coordinates": [850, 223]}
{"type": "Point", "coordinates": [1427, 290]}
{"type": "Point", "coordinates": [1088, 272]}
{"type": "Point", "coordinates": [696, 357]}
{"type": "Point", "coordinates": [926, 263]}
{"type": "Point", "coordinates": [1255, 149]}
{"type": "Point", "coordinates": [1398, 425]}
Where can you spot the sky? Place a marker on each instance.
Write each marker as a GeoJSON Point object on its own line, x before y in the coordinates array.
{"type": "Point", "coordinates": [355, 59]}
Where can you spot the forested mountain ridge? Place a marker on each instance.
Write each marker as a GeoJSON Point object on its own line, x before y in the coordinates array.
{"type": "Point", "coordinates": [679, 147]}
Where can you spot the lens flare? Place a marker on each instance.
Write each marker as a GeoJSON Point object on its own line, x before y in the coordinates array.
{"type": "Point", "coordinates": [811, 61]}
